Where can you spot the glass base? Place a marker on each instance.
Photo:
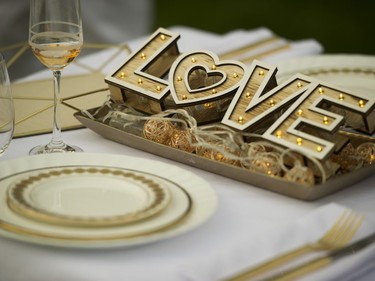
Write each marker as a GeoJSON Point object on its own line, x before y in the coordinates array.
{"type": "Point", "coordinates": [44, 149]}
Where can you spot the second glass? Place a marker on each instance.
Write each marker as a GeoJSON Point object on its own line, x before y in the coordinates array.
{"type": "Point", "coordinates": [55, 37]}
{"type": "Point", "coordinates": [6, 108]}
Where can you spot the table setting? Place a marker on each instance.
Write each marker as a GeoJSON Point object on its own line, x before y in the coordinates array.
{"type": "Point", "coordinates": [185, 155]}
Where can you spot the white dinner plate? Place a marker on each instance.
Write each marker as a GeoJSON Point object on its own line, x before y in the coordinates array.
{"type": "Point", "coordinates": [192, 202]}
{"type": "Point", "coordinates": [87, 196]}
{"type": "Point", "coordinates": [355, 73]}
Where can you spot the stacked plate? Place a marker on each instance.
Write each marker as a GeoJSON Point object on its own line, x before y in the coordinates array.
{"type": "Point", "coordinates": [98, 200]}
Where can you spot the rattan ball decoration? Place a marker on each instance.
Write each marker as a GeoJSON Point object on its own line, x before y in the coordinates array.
{"type": "Point", "coordinates": [158, 130]}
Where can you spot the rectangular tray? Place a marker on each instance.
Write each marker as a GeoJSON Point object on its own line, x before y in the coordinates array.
{"type": "Point", "coordinates": [274, 184]}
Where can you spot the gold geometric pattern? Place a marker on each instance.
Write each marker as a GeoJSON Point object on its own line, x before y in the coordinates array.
{"type": "Point", "coordinates": [33, 101]}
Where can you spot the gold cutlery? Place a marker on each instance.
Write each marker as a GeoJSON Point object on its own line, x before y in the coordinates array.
{"type": "Point", "coordinates": [324, 261]}
{"type": "Point", "coordinates": [336, 237]}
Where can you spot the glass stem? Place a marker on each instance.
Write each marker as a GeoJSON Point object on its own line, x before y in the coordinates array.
{"type": "Point", "coordinates": [56, 141]}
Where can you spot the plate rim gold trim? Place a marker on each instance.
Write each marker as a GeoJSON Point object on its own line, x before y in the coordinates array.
{"type": "Point", "coordinates": [20, 206]}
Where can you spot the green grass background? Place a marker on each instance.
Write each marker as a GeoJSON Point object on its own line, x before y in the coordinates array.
{"type": "Point", "coordinates": [340, 26]}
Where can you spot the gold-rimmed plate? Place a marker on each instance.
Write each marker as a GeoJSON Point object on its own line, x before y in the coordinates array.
{"type": "Point", "coordinates": [192, 202]}
{"type": "Point", "coordinates": [87, 196]}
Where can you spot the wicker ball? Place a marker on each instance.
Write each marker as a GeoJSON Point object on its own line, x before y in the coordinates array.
{"type": "Point", "coordinates": [300, 174]}
{"type": "Point", "coordinates": [158, 130]}
{"type": "Point", "coordinates": [266, 163]}
{"type": "Point", "coordinates": [183, 140]}
{"type": "Point", "coordinates": [366, 151]}
{"type": "Point", "coordinates": [218, 151]}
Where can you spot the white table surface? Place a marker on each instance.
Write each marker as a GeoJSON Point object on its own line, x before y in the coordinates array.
{"type": "Point", "coordinates": [244, 212]}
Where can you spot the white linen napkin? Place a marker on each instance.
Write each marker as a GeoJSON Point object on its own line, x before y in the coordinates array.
{"type": "Point", "coordinates": [260, 43]}
{"type": "Point", "coordinates": [260, 248]}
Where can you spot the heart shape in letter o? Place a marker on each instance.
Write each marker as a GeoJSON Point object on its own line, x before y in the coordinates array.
{"type": "Point", "coordinates": [200, 77]}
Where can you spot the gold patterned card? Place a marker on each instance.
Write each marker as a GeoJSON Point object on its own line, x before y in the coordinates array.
{"type": "Point", "coordinates": [33, 101]}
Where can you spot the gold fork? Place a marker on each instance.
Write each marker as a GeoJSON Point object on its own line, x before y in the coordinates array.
{"type": "Point", "coordinates": [336, 237]}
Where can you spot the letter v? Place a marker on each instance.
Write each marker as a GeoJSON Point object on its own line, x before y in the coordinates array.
{"type": "Point", "coordinates": [259, 101]}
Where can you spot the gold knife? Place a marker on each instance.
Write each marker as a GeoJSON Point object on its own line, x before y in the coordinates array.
{"type": "Point", "coordinates": [324, 261]}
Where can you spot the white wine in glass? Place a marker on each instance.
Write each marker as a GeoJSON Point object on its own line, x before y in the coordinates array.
{"type": "Point", "coordinates": [55, 37]}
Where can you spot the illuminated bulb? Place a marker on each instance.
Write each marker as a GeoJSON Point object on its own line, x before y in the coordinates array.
{"type": "Point", "coordinates": [261, 73]}
{"type": "Point", "coordinates": [299, 112]}
{"type": "Point", "coordinates": [320, 90]}
{"type": "Point", "coordinates": [341, 97]}
{"type": "Point", "coordinates": [207, 105]}
{"type": "Point", "coordinates": [213, 67]}
{"type": "Point", "coordinates": [272, 102]}
{"type": "Point", "coordinates": [372, 158]}
{"type": "Point", "coordinates": [240, 119]}
{"type": "Point", "coordinates": [248, 94]}
{"type": "Point", "coordinates": [143, 56]}
{"type": "Point", "coordinates": [140, 81]}
{"type": "Point", "coordinates": [299, 141]}
{"type": "Point", "coordinates": [219, 156]}
{"type": "Point", "coordinates": [214, 91]}
{"type": "Point", "coordinates": [193, 60]}
{"type": "Point", "coordinates": [319, 149]}
{"type": "Point", "coordinates": [235, 75]}
{"type": "Point", "coordinates": [361, 103]}
{"type": "Point", "coordinates": [158, 88]}
{"type": "Point", "coordinates": [162, 37]}
{"type": "Point", "coordinates": [279, 134]}
{"type": "Point", "coordinates": [122, 75]}
{"type": "Point", "coordinates": [179, 78]}
{"type": "Point", "coordinates": [299, 85]}
{"type": "Point", "coordinates": [184, 97]}
{"type": "Point", "coordinates": [325, 120]}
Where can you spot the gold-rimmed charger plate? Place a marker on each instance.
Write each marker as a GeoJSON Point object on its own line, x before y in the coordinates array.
{"type": "Point", "coordinates": [87, 196]}
{"type": "Point", "coordinates": [191, 197]}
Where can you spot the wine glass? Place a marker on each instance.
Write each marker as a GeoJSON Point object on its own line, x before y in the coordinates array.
{"type": "Point", "coordinates": [6, 108]}
{"type": "Point", "coordinates": [55, 37]}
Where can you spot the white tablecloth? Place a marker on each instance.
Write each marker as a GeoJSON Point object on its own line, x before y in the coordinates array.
{"type": "Point", "coordinates": [245, 213]}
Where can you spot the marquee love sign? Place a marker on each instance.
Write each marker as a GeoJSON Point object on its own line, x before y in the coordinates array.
{"type": "Point", "coordinates": [302, 113]}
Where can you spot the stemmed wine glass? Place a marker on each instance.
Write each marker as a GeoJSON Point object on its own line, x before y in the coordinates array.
{"type": "Point", "coordinates": [6, 108]}
{"type": "Point", "coordinates": [55, 37]}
